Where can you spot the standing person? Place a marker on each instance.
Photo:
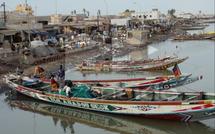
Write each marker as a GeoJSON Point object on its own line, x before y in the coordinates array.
{"type": "Point", "coordinates": [61, 73]}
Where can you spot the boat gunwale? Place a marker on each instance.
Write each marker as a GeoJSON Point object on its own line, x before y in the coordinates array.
{"type": "Point", "coordinates": [99, 101]}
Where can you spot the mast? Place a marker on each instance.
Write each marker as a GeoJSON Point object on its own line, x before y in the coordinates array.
{"type": "Point", "coordinates": [5, 19]}
{"type": "Point", "coordinates": [56, 7]}
{"type": "Point", "coordinates": [4, 12]}
{"type": "Point", "coordinates": [110, 34]}
{"type": "Point", "coordinates": [98, 15]}
{"type": "Point", "coordinates": [26, 9]}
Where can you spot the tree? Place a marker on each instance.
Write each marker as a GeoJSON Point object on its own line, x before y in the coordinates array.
{"type": "Point", "coordinates": [127, 10]}
{"type": "Point", "coordinates": [98, 15]}
{"type": "Point", "coordinates": [171, 12]}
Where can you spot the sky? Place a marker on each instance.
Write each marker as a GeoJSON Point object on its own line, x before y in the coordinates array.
{"type": "Point", "coordinates": [107, 7]}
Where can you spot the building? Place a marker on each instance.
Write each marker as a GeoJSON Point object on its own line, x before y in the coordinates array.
{"type": "Point", "coordinates": [185, 15]}
{"type": "Point", "coordinates": [56, 19]}
{"type": "Point", "coordinates": [24, 8]}
{"type": "Point", "coordinates": [155, 14]}
{"type": "Point", "coordinates": [23, 13]}
{"type": "Point", "coordinates": [120, 22]}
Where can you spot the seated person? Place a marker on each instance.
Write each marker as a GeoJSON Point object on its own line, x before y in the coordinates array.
{"type": "Point", "coordinates": [39, 72]}
{"type": "Point", "coordinates": [67, 90]}
{"type": "Point", "coordinates": [54, 84]}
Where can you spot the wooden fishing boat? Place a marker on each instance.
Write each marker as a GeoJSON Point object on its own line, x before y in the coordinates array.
{"type": "Point", "coordinates": [127, 66]}
{"type": "Point", "coordinates": [185, 106]}
{"type": "Point", "coordinates": [156, 83]}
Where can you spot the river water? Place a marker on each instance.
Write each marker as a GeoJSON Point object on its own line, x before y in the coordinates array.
{"type": "Point", "coordinates": [21, 115]}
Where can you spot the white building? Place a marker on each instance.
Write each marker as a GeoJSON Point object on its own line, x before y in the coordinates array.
{"type": "Point", "coordinates": [185, 15]}
{"type": "Point", "coordinates": [120, 21]}
{"type": "Point", "coordinates": [151, 15]}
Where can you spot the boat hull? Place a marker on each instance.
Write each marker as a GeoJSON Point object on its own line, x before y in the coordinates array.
{"type": "Point", "coordinates": [162, 64]}
{"type": "Point", "coordinates": [172, 110]}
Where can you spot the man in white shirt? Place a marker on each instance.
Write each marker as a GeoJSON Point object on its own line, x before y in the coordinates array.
{"type": "Point", "coordinates": [67, 89]}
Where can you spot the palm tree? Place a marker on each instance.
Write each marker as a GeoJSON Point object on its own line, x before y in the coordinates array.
{"type": "Point", "coordinates": [98, 15]}
{"type": "Point", "coordinates": [172, 12]}
{"type": "Point", "coordinates": [84, 10]}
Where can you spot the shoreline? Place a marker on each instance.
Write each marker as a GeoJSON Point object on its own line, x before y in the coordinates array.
{"type": "Point", "coordinates": [78, 57]}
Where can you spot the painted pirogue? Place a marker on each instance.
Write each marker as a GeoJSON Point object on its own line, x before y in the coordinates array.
{"type": "Point", "coordinates": [184, 106]}
{"type": "Point", "coordinates": [127, 66]}
{"type": "Point", "coordinates": [204, 36]}
{"type": "Point", "coordinates": [156, 83]}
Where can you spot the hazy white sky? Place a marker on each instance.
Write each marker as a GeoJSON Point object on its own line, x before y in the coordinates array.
{"type": "Point", "coordinates": [47, 7]}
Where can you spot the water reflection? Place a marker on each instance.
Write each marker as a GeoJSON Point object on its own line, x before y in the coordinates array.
{"type": "Point", "coordinates": [134, 55]}
{"type": "Point", "coordinates": [67, 117]}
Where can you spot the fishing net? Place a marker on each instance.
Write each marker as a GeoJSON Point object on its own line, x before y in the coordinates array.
{"type": "Point", "coordinates": [82, 91]}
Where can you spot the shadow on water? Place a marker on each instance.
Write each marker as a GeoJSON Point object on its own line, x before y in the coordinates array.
{"type": "Point", "coordinates": [67, 117]}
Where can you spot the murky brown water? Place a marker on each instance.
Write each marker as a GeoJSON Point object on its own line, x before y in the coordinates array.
{"type": "Point", "coordinates": [21, 115]}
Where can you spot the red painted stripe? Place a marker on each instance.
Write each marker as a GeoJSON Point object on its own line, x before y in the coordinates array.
{"type": "Point", "coordinates": [166, 117]}
{"type": "Point", "coordinates": [197, 108]}
{"type": "Point", "coordinates": [209, 105]}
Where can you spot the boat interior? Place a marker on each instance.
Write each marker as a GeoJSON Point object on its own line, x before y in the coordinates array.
{"type": "Point", "coordinates": [127, 94]}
